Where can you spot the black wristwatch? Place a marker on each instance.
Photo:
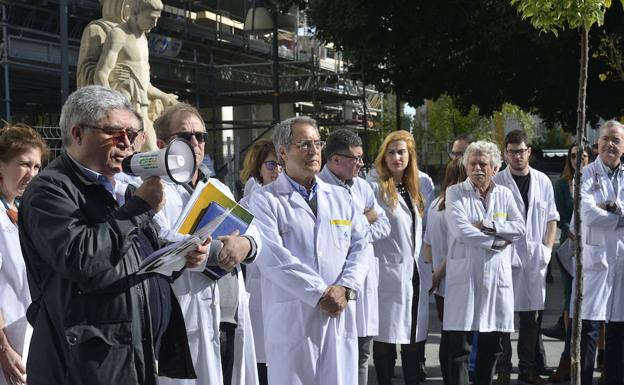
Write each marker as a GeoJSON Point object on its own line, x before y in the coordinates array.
{"type": "Point", "coordinates": [350, 294]}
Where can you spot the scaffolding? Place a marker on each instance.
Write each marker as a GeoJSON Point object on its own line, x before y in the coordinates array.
{"type": "Point", "coordinates": [198, 51]}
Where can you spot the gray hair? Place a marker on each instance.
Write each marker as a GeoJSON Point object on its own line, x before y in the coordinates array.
{"type": "Point", "coordinates": [282, 131]}
{"type": "Point", "coordinates": [88, 105]}
{"type": "Point", "coordinates": [341, 141]}
{"type": "Point", "coordinates": [610, 123]}
{"type": "Point", "coordinates": [484, 147]}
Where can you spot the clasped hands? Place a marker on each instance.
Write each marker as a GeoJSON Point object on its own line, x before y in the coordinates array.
{"type": "Point", "coordinates": [334, 300]}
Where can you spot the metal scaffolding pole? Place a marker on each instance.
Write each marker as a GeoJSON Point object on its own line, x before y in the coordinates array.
{"type": "Point", "coordinates": [64, 50]}
{"type": "Point", "coordinates": [276, 87]}
{"type": "Point", "coordinates": [5, 65]}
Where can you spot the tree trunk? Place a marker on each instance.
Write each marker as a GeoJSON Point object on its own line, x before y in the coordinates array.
{"type": "Point", "coordinates": [580, 142]}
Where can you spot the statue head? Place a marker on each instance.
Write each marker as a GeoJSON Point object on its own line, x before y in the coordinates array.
{"type": "Point", "coordinates": [116, 11]}
{"type": "Point", "coordinates": [146, 13]}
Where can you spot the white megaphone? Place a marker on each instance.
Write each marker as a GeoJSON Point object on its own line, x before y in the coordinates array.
{"type": "Point", "coordinates": [177, 161]}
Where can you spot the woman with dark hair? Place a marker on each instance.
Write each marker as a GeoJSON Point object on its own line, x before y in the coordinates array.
{"type": "Point", "coordinates": [563, 189]}
{"type": "Point", "coordinates": [21, 153]}
{"type": "Point", "coordinates": [401, 303]}
{"type": "Point", "coordinates": [260, 166]}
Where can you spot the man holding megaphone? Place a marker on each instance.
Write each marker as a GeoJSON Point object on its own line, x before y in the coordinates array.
{"type": "Point", "coordinates": [95, 320]}
{"type": "Point", "coordinates": [209, 306]}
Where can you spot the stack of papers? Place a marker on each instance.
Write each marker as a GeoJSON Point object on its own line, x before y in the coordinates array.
{"type": "Point", "coordinates": [209, 212]}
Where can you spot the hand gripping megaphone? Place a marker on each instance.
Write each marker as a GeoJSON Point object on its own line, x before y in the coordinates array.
{"type": "Point", "coordinates": [177, 161]}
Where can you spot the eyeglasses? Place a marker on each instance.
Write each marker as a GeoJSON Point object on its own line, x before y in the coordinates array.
{"type": "Point", "coordinates": [613, 139]}
{"type": "Point", "coordinates": [200, 136]}
{"type": "Point", "coordinates": [306, 145]}
{"type": "Point", "coordinates": [271, 165]}
{"type": "Point", "coordinates": [573, 155]}
{"type": "Point", "coordinates": [358, 159]}
{"type": "Point", "coordinates": [456, 154]}
{"type": "Point", "coordinates": [520, 152]}
{"type": "Point", "coordinates": [118, 134]}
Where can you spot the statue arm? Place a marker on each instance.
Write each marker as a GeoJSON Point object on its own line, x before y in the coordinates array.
{"type": "Point", "coordinates": [167, 99]}
{"type": "Point", "coordinates": [112, 46]}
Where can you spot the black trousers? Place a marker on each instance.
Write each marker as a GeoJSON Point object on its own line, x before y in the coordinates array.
{"type": "Point", "coordinates": [614, 353]}
{"type": "Point", "coordinates": [488, 351]}
{"type": "Point", "coordinates": [226, 336]}
{"type": "Point", "coordinates": [531, 355]}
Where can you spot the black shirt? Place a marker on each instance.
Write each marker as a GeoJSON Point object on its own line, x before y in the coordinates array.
{"type": "Point", "coordinates": [524, 183]}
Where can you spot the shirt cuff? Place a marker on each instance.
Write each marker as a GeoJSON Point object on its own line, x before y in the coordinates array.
{"type": "Point", "coordinates": [251, 256]}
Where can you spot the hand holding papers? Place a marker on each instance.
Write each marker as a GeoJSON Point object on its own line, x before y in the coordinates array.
{"type": "Point", "coordinates": [209, 213]}
{"type": "Point", "coordinates": [173, 257]}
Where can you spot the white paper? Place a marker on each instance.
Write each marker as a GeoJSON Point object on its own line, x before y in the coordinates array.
{"type": "Point", "coordinates": [172, 258]}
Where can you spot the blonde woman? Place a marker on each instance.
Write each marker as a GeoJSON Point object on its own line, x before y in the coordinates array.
{"type": "Point", "coordinates": [398, 192]}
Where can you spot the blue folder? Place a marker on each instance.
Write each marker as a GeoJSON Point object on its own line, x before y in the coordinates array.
{"type": "Point", "coordinates": [227, 227]}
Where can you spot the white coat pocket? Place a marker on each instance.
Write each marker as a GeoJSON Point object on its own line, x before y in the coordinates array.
{"type": "Point", "coordinates": [595, 258]}
{"type": "Point", "coordinates": [546, 255]}
{"type": "Point", "coordinates": [341, 233]}
{"type": "Point", "coordinates": [390, 276]}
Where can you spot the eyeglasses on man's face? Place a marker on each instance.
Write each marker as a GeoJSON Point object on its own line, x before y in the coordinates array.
{"type": "Point", "coordinates": [200, 136]}
{"type": "Point", "coordinates": [306, 145]}
{"type": "Point", "coordinates": [358, 159]}
{"type": "Point", "coordinates": [520, 152]}
{"type": "Point", "coordinates": [118, 134]}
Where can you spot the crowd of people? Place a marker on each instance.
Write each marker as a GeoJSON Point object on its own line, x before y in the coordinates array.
{"type": "Point", "coordinates": [334, 267]}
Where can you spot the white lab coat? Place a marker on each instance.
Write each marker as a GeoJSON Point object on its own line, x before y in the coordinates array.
{"type": "Point", "coordinates": [14, 292]}
{"type": "Point", "coordinates": [603, 247]}
{"type": "Point", "coordinates": [436, 235]}
{"type": "Point", "coordinates": [250, 186]}
{"type": "Point", "coordinates": [397, 254]}
{"type": "Point", "coordinates": [530, 257]}
{"type": "Point", "coordinates": [254, 289]}
{"type": "Point", "coordinates": [427, 189]}
{"type": "Point", "coordinates": [367, 306]}
{"type": "Point", "coordinates": [199, 300]}
{"type": "Point", "coordinates": [479, 292]}
{"type": "Point", "coordinates": [302, 255]}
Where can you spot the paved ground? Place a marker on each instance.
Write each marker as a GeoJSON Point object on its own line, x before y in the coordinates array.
{"type": "Point", "coordinates": [554, 306]}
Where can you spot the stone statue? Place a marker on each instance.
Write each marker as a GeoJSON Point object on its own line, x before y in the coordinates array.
{"type": "Point", "coordinates": [123, 63]}
{"type": "Point", "coordinates": [94, 35]}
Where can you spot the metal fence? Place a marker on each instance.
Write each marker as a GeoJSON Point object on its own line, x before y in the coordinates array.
{"type": "Point", "coordinates": [52, 136]}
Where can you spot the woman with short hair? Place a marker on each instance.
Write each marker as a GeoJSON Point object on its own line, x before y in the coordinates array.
{"type": "Point", "coordinates": [22, 151]}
